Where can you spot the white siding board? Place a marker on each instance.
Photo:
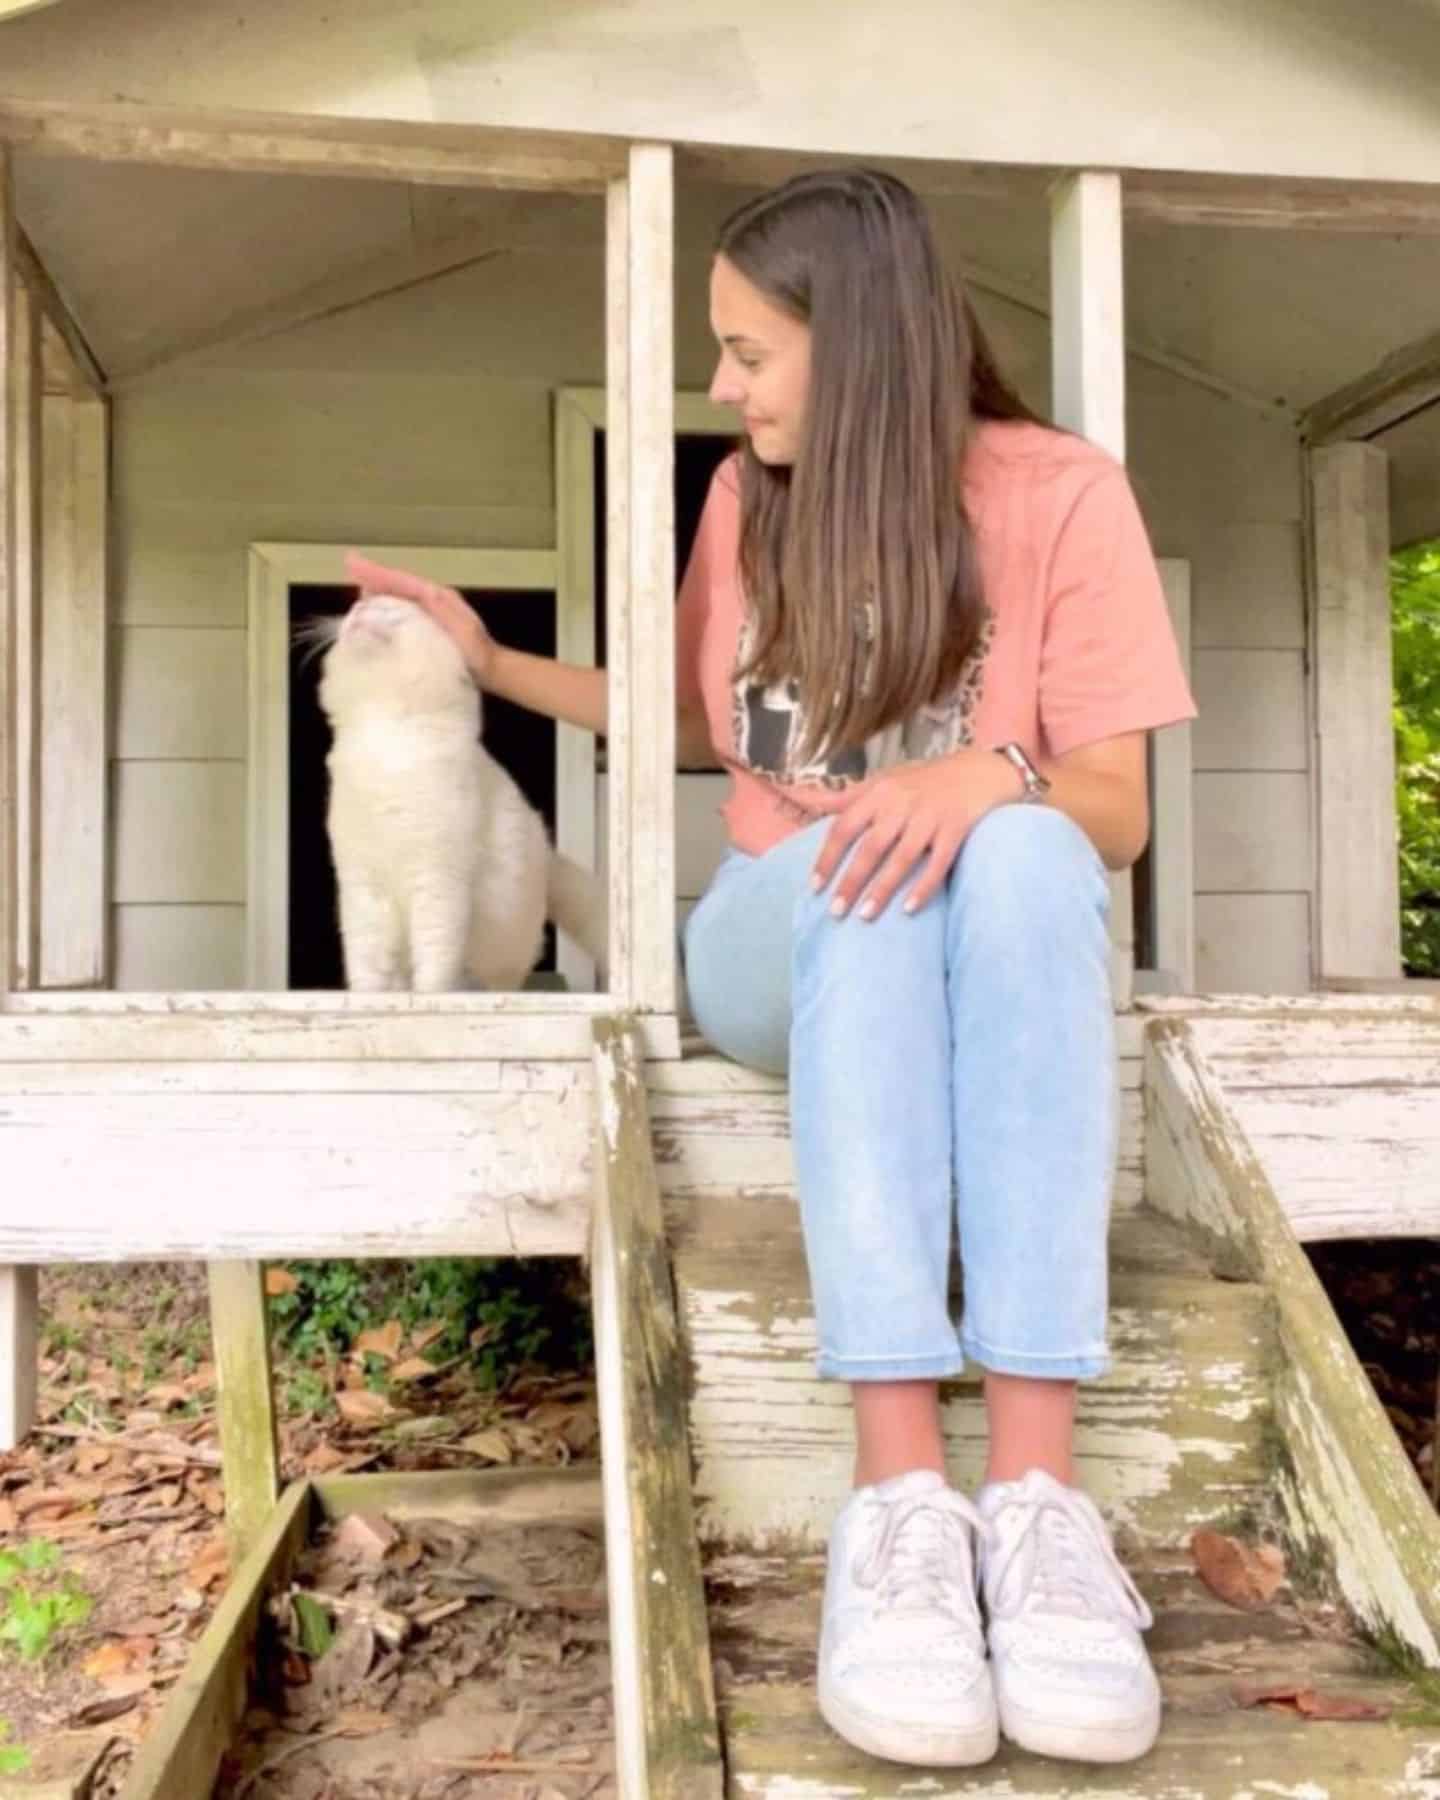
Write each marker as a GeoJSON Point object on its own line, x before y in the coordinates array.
{"type": "Point", "coordinates": [164, 947]}
{"type": "Point", "coordinates": [1252, 943]}
{"type": "Point", "coordinates": [1252, 833]}
{"type": "Point", "coordinates": [1252, 709]}
{"type": "Point", "coordinates": [1250, 587]}
{"type": "Point", "coordinates": [180, 694]}
{"type": "Point", "coordinates": [180, 832]}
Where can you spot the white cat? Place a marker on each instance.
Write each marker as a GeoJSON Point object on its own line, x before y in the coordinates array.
{"type": "Point", "coordinates": [445, 872]}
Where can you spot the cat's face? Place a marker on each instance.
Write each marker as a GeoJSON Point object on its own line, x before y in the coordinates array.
{"type": "Point", "coordinates": [390, 654]}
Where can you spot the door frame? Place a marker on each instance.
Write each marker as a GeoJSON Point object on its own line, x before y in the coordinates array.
{"type": "Point", "coordinates": [274, 569]}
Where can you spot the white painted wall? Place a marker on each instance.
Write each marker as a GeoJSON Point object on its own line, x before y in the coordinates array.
{"type": "Point", "coordinates": [1304, 87]}
{"type": "Point", "coordinates": [291, 440]}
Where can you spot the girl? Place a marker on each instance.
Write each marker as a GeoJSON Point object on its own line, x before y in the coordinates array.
{"type": "Point", "coordinates": [926, 636]}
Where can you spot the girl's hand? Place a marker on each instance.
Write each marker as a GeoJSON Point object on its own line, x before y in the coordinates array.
{"type": "Point", "coordinates": [445, 605]}
{"type": "Point", "coordinates": [916, 811]}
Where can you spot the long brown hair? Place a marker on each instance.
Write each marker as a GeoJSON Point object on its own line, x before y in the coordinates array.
{"type": "Point", "coordinates": [858, 561]}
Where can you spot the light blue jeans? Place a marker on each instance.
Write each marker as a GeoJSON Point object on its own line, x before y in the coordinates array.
{"type": "Point", "coordinates": [953, 1067]}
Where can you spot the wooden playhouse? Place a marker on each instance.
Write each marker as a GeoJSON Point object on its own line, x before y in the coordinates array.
{"type": "Point", "coordinates": [271, 286]}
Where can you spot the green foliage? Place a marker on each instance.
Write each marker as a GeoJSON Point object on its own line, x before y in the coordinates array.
{"type": "Point", "coordinates": [14, 1758]}
{"type": "Point", "coordinates": [1415, 590]}
{"type": "Point", "coordinates": [501, 1311]}
{"type": "Point", "coordinates": [38, 1601]}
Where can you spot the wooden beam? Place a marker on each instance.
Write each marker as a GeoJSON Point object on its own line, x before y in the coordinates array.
{"type": "Point", "coordinates": [74, 697]}
{"type": "Point", "coordinates": [1172, 835]}
{"type": "Point", "coordinates": [377, 278]}
{"type": "Point", "coordinates": [249, 1445]}
{"type": "Point", "coordinates": [19, 1351]}
{"type": "Point", "coordinates": [1400, 385]}
{"type": "Point", "coordinates": [10, 400]}
{"type": "Point", "coordinates": [29, 544]}
{"type": "Point", "coordinates": [302, 144]}
{"type": "Point", "coordinates": [640, 539]}
{"type": "Point", "coordinates": [1358, 875]}
{"type": "Point", "coordinates": [667, 1739]}
{"type": "Point", "coordinates": [12, 9]}
{"type": "Point", "coordinates": [37, 278]}
{"type": "Point", "coordinates": [1087, 326]}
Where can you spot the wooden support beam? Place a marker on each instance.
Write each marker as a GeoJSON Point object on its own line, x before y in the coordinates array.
{"type": "Point", "coordinates": [1087, 314]}
{"type": "Point", "coordinates": [1400, 385]}
{"type": "Point", "coordinates": [1358, 875]}
{"type": "Point", "coordinates": [249, 1446]}
{"type": "Point", "coordinates": [37, 278]}
{"type": "Point", "coordinates": [12, 9]}
{"type": "Point", "coordinates": [1172, 835]}
{"type": "Point", "coordinates": [640, 580]}
{"type": "Point", "coordinates": [19, 1343]}
{"type": "Point", "coordinates": [29, 540]}
{"type": "Point", "coordinates": [667, 1738]}
{"type": "Point", "coordinates": [304, 144]}
{"type": "Point", "coordinates": [75, 697]}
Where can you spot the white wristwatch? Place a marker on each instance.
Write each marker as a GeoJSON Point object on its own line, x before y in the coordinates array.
{"type": "Point", "coordinates": [1036, 786]}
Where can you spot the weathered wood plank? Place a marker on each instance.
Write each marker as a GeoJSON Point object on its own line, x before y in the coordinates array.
{"type": "Point", "coordinates": [1172, 1437]}
{"type": "Point", "coordinates": [309, 1027]}
{"type": "Point", "coordinates": [295, 1175]}
{"type": "Point", "coordinates": [640, 580]}
{"type": "Point", "coordinates": [29, 551]}
{"type": "Point", "coordinates": [1358, 892]}
{"type": "Point", "coordinates": [499, 1497]}
{"type": "Point", "coordinates": [74, 697]}
{"type": "Point", "coordinates": [1404, 382]}
{"type": "Point", "coordinates": [667, 1737]}
{"type": "Point", "coordinates": [84, 367]}
{"type": "Point", "coordinates": [19, 1352]}
{"type": "Point", "coordinates": [249, 1445]}
{"type": "Point", "coordinates": [181, 1754]}
{"type": "Point", "coordinates": [1349, 1492]}
{"type": "Point", "coordinates": [10, 394]}
{"type": "Point", "coordinates": [296, 144]}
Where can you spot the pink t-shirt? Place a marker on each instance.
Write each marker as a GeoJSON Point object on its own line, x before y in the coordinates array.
{"type": "Point", "coordinates": [1078, 646]}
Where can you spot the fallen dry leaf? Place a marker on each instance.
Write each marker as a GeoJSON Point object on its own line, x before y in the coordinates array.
{"type": "Point", "coordinates": [384, 1340]}
{"type": "Point", "coordinates": [360, 1406]}
{"type": "Point", "coordinates": [425, 1335]}
{"type": "Point", "coordinates": [1242, 1575]}
{"type": "Point", "coordinates": [414, 1368]}
{"type": "Point", "coordinates": [280, 1281]}
{"type": "Point", "coordinates": [1309, 1702]}
{"type": "Point", "coordinates": [364, 1536]}
{"type": "Point", "coordinates": [209, 1565]}
{"type": "Point", "coordinates": [1340, 1706]}
{"type": "Point", "coordinates": [362, 1721]}
{"type": "Point", "coordinates": [493, 1445]}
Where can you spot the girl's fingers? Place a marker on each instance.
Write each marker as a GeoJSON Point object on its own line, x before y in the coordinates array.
{"type": "Point", "coordinates": [847, 825]}
{"type": "Point", "coordinates": [904, 855]}
{"type": "Point", "coordinates": [377, 578]}
{"type": "Point", "coordinates": [879, 838]}
{"type": "Point", "coordinates": [932, 877]}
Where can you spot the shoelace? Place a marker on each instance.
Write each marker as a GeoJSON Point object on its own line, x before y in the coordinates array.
{"type": "Point", "coordinates": [1072, 1569]}
{"type": "Point", "coordinates": [912, 1558]}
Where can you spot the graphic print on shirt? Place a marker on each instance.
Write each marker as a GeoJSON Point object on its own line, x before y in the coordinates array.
{"type": "Point", "coordinates": [768, 723]}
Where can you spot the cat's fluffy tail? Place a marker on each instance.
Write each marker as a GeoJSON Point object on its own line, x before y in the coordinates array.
{"type": "Point", "coordinates": [576, 902]}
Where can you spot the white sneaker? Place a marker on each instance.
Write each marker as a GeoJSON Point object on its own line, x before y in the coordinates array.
{"type": "Point", "coordinates": [902, 1654]}
{"type": "Point", "coordinates": [1071, 1675]}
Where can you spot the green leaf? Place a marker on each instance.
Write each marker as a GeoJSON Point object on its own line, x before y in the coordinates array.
{"type": "Point", "coordinates": [316, 1632]}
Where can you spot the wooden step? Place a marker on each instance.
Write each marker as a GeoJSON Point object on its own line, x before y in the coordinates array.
{"type": "Point", "coordinates": [1177, 1435]}
{"type": "Point", "coordinates": [764, 1626]}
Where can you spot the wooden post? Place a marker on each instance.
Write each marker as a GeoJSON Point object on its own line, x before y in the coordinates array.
{"type": "Point", "coordinates": [248, 1445]}
{"type": "Point", "coordinates": [1358, 876]}
{"type": "Point", "coordinates": [640, 580]}
{"type": "Point", "coordinates": [1087, 307]}
{"type": "Point", "coordinates": [29, 534]}
{"type": "Point", "coordinates": [74, 697]}
{"type": "Point", "coordinates": [667, 1739]}
{"type": "Point", "coordinates": [19, 1347]}
{"type": "Point", "coordinates": [1172, 836]}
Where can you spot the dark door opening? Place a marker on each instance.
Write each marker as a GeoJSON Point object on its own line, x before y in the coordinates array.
{"type": "Point", "coordinates": [697, 456]}
{"type": "Point", "coordinates": [523, 742]}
